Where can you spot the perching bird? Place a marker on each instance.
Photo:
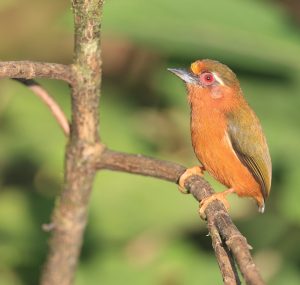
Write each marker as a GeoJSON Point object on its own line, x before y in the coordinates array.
{"type": "Point", "coordinates": [226, 134]}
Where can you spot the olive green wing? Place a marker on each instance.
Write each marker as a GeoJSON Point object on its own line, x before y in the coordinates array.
{"type": "Point", "coordinates": [249, 143]}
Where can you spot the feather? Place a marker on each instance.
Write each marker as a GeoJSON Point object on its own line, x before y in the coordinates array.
{"type": "Point", "coordinates": [249, 143]}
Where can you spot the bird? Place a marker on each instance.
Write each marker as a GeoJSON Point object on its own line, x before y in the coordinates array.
{"type": "Point", "coordinates": [226, 134]}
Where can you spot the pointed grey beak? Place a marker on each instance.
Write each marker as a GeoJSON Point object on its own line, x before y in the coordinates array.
{"type": "Point", "coordinates": [185, 75]}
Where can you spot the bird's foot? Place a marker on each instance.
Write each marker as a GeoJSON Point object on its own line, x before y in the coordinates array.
{"type": "Point", "coordinates": [196, 170]}
{"type": "Point", "coordinates": [217, 196]}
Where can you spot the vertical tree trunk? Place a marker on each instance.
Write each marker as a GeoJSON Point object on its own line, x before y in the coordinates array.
{"type": "Point", "coordinates": [70, 214]}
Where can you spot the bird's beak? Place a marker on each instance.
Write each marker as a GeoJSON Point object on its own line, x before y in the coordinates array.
{"type": "Point", "coordinates": [185, 75]}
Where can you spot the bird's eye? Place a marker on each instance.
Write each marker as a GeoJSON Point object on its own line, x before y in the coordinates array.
{"type": "Point", "coordinates": [207, 78]}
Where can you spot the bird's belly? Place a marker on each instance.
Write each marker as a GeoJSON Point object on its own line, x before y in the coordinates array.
{"type": "Point", "coordinates": [220, 160]}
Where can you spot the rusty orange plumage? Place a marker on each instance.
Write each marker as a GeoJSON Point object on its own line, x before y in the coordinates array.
{"type": "Point", "coordinates": [226, 134]}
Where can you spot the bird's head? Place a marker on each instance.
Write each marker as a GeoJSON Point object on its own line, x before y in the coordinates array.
{"type": "Point", "coordinates": [209, 81]}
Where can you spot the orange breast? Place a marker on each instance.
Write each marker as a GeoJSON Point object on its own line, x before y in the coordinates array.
{"type": "Point", "coordinates": [214, 150]}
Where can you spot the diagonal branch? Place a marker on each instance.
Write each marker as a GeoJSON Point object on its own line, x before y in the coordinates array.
{"type": "Point", "coordinates": [139, 164]}
{"type": "Point", "coordinates": [55, 109]}
{"type": "Point", "coordinates": [224, 257]}
{"type": "Point", "coordinates": [31, 70]}
{"type": "Point", "coordinates": [217, 217]}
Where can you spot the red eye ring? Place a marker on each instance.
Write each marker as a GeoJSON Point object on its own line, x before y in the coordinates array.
{"type": "Point", "coordinates": [207, 78]}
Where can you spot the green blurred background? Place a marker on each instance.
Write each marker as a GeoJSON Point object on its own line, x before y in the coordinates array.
{"type": "Point", "coordinates": [142, 230]}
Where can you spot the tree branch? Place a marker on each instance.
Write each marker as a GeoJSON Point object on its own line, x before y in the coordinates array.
{"type": "Point", "coordinates": [224, 257]}
{"type": "Point", "coordinates": [217, 216]}
{"type": "Point", "coordinates": [139, 164]}
{"type": "Point", "coordinates": [31, 70]}
{"type": "Point", "coordinates": [56, 111]}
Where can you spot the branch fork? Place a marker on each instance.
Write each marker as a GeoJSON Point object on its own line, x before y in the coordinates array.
{"type": "Point", "coordinates": [85, 155]}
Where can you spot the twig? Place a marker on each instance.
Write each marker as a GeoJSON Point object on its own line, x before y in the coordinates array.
{"type": "Point", "coordinates": [224, 257]}
{"type": "Point", "coordinates": [55, 109]}
{"type": "Point", "coordinates": [31, 70]}
{"type": "Point", "coordinates": [217, 216]}
{"type": "Point", "coordinates": [237, 243]}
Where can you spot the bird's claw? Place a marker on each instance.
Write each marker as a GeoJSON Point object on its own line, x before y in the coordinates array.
{"type": "Point", "coordinates": [217, 196]}
{"type": "Point", "coordinates": [196, 170]}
